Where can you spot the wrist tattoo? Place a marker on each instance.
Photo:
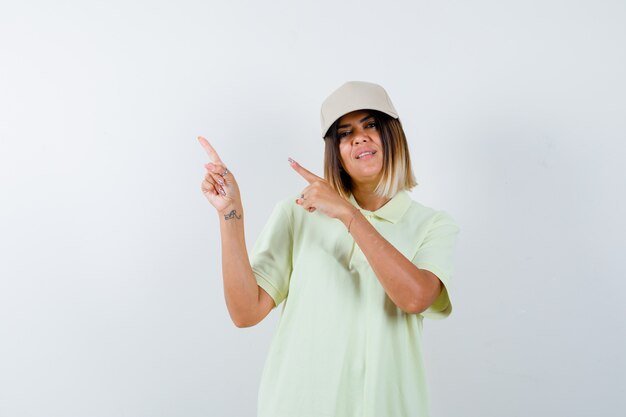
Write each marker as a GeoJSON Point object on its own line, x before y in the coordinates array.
{"type": "Point", "coordinates": [232, 215]}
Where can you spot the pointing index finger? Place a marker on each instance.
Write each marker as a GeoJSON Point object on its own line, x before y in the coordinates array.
{"type": "Point", "coordinates": [305, 173]}
{"type": "Point", "coordinates": [209, 150]}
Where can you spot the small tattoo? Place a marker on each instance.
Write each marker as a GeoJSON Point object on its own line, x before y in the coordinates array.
{"type": "Point", "coordinates": [232, 215]}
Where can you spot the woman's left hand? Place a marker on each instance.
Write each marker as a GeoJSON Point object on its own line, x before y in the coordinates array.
{"type": "Point", "coordinates": [319, 195]}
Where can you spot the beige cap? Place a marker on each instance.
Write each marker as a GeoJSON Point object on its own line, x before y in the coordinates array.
{"type": "Point", "coordinates": [355, 95]}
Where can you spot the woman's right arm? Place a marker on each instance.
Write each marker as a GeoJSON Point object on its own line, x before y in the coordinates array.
{"type": "Point", "coordinates": [246, 301]}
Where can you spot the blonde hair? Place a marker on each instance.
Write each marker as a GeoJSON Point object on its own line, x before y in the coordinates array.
{"type": "Point", "coordinates": [397, 172]}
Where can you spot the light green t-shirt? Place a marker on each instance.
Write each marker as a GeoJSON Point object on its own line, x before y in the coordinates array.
{"type": "Point", "coordinates": [342, 347]}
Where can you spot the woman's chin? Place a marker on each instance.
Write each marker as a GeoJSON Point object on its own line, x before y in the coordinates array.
{"type": "Point", "coordinates": [366, 175]}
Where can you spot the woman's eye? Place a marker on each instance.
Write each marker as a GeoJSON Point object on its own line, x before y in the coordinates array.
{"type": "Point", "coordinates": [372, 124]}
{"type": "Point", "coordinates": [342, 134]}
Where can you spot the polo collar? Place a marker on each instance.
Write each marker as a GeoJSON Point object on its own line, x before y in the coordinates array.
{"type": "Point", "coordinates": [392, 211]}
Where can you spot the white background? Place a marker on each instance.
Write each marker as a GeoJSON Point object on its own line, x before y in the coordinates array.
{"type": "Point", "coordinates": [111, 296]}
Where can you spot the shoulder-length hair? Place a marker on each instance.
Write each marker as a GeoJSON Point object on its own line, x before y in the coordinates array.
{"type": "Point", "coordinates": [397, 172]}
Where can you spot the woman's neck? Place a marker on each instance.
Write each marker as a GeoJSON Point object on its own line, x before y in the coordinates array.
{"type": "Point", "coordinates": [367, 199]}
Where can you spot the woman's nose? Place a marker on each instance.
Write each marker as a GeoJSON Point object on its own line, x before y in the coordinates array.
{"type": "Point", "coordinates": [360, 139]}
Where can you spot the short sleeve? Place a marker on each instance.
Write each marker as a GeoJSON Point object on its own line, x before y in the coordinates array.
{"type": "Point", "coordinates": [436, 254]}
{"type": "Point", "coordinates": [271, 256]}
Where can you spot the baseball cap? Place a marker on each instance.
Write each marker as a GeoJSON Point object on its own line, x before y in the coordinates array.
{"type": "Point", "coordinates": [355, 95]}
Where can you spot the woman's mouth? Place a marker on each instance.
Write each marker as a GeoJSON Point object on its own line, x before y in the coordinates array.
{"type": "Point", "coordinates": [366, 155]}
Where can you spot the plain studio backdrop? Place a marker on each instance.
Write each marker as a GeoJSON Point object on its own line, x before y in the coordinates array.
{"type": "Point", "coordinates": [111, 295]}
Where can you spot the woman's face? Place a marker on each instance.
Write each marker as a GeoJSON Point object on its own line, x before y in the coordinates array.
{"type": "Point", "coordinates": [360, 147]}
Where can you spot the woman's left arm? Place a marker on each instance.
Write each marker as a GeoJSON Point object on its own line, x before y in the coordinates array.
{"type": "Point", "coordinates": [412, 289]}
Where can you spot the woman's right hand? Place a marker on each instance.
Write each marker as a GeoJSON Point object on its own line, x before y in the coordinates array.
{"type": "Point", "coordinates": [219, 185]}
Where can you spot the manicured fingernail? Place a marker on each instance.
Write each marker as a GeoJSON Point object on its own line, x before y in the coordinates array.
{"type": "Point", "coordinates": [291, 161]}
{"type": "Point", "coordinates": [220, 181]}
{"type": "Point", "coordinates": [222, 191]}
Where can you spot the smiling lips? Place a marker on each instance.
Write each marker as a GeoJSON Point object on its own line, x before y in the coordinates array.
{"type": "Point", "coordinates": [366, 154]}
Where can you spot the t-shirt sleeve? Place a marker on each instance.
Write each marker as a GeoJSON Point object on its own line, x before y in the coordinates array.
{"type": "Point", "coordinates": [271, 256]}
{"type": "Point", "coordinates": [436, 254]}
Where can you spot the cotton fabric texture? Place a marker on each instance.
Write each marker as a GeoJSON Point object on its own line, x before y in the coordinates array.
{"type": "Point", "coordinates": [342, 347]}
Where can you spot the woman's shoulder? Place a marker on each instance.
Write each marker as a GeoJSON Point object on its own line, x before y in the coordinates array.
{"type": "Point", "coordinates": [424, 212]}
{"type": "Point", "coordinates": [287, 206]}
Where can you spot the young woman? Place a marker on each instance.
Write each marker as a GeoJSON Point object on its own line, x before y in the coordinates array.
{"type": "Point", "coordinates": [356, 263]}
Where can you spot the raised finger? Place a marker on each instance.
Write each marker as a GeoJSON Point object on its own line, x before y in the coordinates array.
{"type": "Point", "coordinates": [305, 173]}
{"type": "Point", "coordinates": [210, 150]}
